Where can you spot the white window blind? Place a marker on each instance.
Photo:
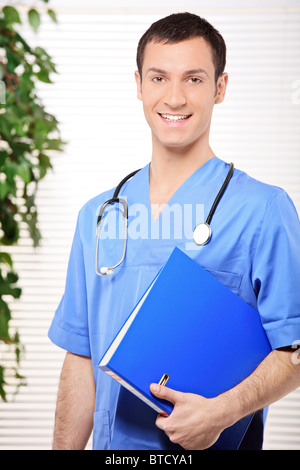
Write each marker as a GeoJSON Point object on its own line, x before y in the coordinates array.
{"type": "Point", "coordinates": [94, 98]}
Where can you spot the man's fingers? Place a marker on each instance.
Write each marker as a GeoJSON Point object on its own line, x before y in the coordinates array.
{"type": "Point", "coordinates": [165, 393]}
{"type": "Point", "coordinates": [160, 422]}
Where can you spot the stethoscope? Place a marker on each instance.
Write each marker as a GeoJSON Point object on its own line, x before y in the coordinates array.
{"type": "Point", "coordinates": [201, 233]}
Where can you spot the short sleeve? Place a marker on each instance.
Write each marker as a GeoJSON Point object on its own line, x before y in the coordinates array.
{"type": "Point", "coordinates": [276, 272]}
{"type": "Point", "coordinates": [69, 328]}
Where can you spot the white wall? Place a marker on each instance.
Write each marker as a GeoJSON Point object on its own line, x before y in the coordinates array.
{"type": "Point", "coordinates": [94, 98]}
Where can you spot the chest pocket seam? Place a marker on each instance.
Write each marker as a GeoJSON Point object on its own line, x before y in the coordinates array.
{"type": "Point", "coordinates": [231, 280]}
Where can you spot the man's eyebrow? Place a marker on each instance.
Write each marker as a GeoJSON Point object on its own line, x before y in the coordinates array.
{"type": "Point", "coordinates": [156, 70]}
{"type": "Point", "coordinates": [195, 71]}
{"type": "Point", "coordinates": [187, 72]}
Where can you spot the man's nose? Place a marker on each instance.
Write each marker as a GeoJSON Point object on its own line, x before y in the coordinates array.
{"type": "Point", "coordinates": [175, 96]}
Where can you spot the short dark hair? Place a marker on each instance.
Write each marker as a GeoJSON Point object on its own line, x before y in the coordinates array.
{"type": "Point", "coordinates": [180, 27]}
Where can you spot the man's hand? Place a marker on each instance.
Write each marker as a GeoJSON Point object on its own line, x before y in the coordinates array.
{"type": "Point", "coordinates": [195, 422]}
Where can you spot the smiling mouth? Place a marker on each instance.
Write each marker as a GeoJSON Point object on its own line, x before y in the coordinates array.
{"type": "Point", "coordinates": [175, 117]}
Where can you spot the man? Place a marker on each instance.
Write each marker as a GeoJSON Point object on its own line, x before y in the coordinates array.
{"type": "Point", "coordinates": [254, 250]}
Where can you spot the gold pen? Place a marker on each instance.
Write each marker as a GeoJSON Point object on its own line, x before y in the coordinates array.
{"type": "Point", "coordinates": [164, 380]}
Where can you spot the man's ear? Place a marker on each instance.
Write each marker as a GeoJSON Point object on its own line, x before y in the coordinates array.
{"type": "Point", "coordinates": [221, 88]}
{"type": "Point", "coordinates": [138, 82]}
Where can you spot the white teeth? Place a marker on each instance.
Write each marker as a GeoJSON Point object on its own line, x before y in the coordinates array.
{"type": "Point", "coordinates": [170, 117]}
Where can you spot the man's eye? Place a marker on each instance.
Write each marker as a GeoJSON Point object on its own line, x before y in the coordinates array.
{"type": "Point", "coordinates": [157, 79]}
{"type": "Point", "coordinates": [195, 80]}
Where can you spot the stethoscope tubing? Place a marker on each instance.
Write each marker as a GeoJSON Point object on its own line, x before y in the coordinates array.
{"type": "Point", "coordinates": [220, 194]}
{"type": "Point", "coordinates": [115, 199]}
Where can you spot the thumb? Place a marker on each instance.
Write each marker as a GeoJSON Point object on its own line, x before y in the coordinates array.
{"type": "Point", "coordinates": [160, 391]}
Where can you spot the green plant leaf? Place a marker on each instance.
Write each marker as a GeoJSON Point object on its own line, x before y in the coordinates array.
{"type": "Point", "coordinates": [2, 383]}
{"type": "Point", "coordinates": [4, 190]}
{"type": "Point", "coordinates": [26, 85]}
{"type": "Point", "coordinates": [44, 164]}
{"type": "Point", "coordinates": [34, 19]}
{"type": "Point", "coordinates": [53, 144]}
{"type": "Point", "coordinates": [6, 259]}
{"type": "Point", "coordinates": [12, 277]}
{"type": "Point", "coordinates": [24, 172]}
{"type": "Point", "coordinates": [9, 225]}
{"type": "Point", "coordinates": [52, 15]}
{"type": "Point", "coordinates": [27, 132]}
{"type": "Point", "coordinates": [23, 42]}
{"type": "Point", "coordinates": [7, 289]}
{"type": "Point", "coordinates": [13, 60]}
{"type": "Point", "coordinates": [43, 76]}
{"type": "Point", "coordinates": [41, 53]}
{"type": "Point", "coordinates": [3, 157]}
{"type": "Point", "coordinates": [5, 316]}
{"type": "Point", "coordinates": [11, 15]}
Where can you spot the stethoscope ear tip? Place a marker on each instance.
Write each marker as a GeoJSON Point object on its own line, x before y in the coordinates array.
{"type": "Point", "coordinates": [105, 270]}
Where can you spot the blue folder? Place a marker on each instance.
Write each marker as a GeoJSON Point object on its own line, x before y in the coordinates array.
{"type": "Point", "coordinates": [192, 327]}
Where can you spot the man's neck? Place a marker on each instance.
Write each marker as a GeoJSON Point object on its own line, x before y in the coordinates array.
{"type": "Point", "coordinates": [169, 169]}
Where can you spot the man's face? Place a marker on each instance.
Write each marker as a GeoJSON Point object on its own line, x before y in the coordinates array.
{"type": "Point", "coordinates": [178, 91]}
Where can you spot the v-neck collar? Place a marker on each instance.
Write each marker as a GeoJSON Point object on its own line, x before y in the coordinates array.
{"type": "Point", "coordinates": [202, 174]}
{"type": "Point", "coordinates": [146, 237]}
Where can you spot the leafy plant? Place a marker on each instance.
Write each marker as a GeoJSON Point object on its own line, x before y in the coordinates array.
{"type": "Point", "coordinates": [28, 135]}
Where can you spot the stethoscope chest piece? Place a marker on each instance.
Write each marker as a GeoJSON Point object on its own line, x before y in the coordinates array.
{"type": "Point", "coordinates": [202, 234]}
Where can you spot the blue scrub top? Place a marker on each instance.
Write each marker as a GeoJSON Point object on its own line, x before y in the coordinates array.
{"type": "Point", "coordinates": [254, 250]}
